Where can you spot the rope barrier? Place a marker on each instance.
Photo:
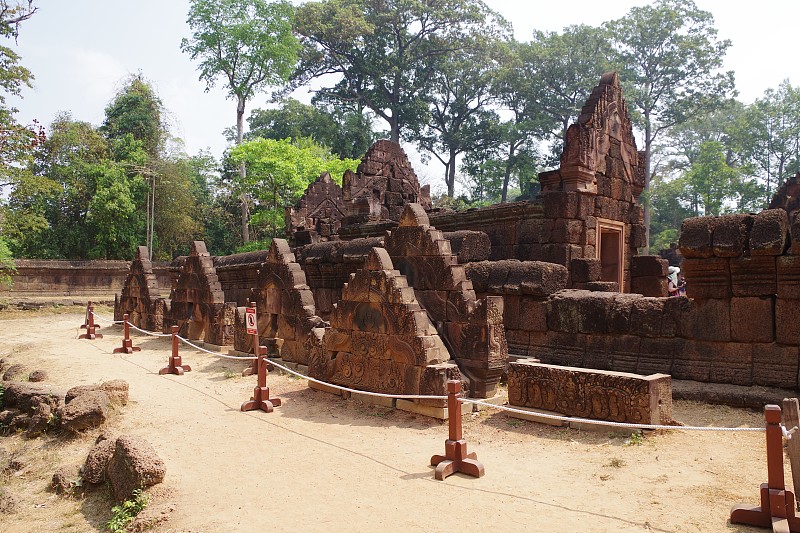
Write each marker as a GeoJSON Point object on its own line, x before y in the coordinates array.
{"type": "Point", "coordinates": [787, 433]}
{"type": "Point", "coordinates": [602, 422]}
{"type": "Point", "coordinates": [224, 356]}
{"type": "Point", "coordinates": [106, 319]}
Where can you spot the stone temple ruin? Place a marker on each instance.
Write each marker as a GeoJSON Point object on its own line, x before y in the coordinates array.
{"type": "Point", "coordinates": [375, 290]}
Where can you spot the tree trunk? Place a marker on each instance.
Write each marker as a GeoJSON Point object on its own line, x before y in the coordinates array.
{"type": "Point", "coordinates": [242, 170]}
{"type": "Point", "coordinates": [507, 173]}
{"type": "Point", "coordinates": [648, 140]}
{"type": "Point", "coordinates": [451, 175]}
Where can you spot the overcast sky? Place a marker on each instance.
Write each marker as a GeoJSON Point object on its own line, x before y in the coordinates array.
{"type": "Point", "coordinates": [80, 51]}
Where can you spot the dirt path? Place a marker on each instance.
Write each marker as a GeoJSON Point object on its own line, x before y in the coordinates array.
{"type": "Point", "coordinates": [319, 463]}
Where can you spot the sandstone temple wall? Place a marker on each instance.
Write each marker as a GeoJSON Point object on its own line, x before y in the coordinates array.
{"type": "Point", "coordinates": [99, 278]}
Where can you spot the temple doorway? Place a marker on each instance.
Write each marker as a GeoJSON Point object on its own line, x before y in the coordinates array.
{"type": "Point", "coordinates": [611, 250]}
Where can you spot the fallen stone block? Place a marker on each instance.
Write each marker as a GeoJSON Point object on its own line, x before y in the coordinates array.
{"type": "Point", "coordinates": [133, 465]}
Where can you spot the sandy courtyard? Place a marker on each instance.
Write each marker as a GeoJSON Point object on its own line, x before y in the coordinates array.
{"type": "Point", "coordinates": [319, 463]}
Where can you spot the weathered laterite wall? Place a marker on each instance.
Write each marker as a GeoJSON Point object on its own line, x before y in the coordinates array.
{"type": "Point", "coordinates": [72, 278]}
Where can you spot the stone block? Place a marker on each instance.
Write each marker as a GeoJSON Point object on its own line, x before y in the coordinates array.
{"type": "Point", "coordinates": [646, 316]}
{"type": "Point", "coordinates": [619, 313]}
{"type": "Point", "coordinates": [593, 308]}
{"type": "Point", "coordinates": [707, 320]}
{"type": "Point", "coordinates": [787, 321]}
{"type": "Point", "coordinates": [707, 278]}
{"type": "Point", "coordinates": [752, 319]}
{"type": "Point", "coordinates": [583, 270]}
{"type": "Point", "coordinates": [518, 341]}
{"type": "Point", "coordinates": [753, 276]}
{"type": "Point", "coordinates": [731, 362]}
{"type": "Point", "coordinates": [693, 362]}
{"type": "Point", "coordinates": [695, 241]}
{"type": "Point", "coordinates": [649, 286]}
{"type": "Point", "coordinates": [770, 232]}
{"type": "Point", "coordinates": [599, 352]}
{"type": "Point", "coordinates": [658, 355]}
{"type": "Point", "coordinates": [441, 413]}
{"type": "Point", "coordinates": [788, 276]}
{"type": "Point", "coordinates": [559, 204]}
{"type": "Point", "coordinates": [625, 350]}
{"type": "Point", "coordinates": [532, 314]}
{"type": "Point", "coordinates": [775, 365]}
{"type": "Point", "coordinates": [648, 265]}
{"type": "Point", "coordinates": [596, 394]}
{"type": "Point", "coordinates": [731, 235]}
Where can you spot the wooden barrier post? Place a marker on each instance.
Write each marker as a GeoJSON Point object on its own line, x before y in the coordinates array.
{"type": "Point", "coordinates": [260, 398]}
{"type": "Point", "coordinates": [455, 458]}
{"type": "Point", "coordinates": [252, 329]}
{"type": "Point", "coordinates": [791, 419]}
{"type": "Point", "coordinates": [91, 327]}
{"type": "Point", "coordinates": [127, 343]}
{"type": "Point", "coordinates": [175, 366]}
{"type": "Point", "coordinates": [777, 508]}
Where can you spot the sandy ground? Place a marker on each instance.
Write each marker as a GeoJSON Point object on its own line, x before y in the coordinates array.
{"type": "Point", "coordinates": [319, 463]}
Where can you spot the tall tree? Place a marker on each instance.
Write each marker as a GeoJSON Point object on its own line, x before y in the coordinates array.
{"type": "Point", "coordinates": [564, 66]}
{"type": "Point", "coordinates": [384, 54]}
{"type": "Point", "coordinates": [516, 139]}
{"type": "Point", "coordinates": [348, 133]}
{"type": "Point", "coordinates": [770, 135]}
{"type": "Point", "coordinates": [459, 100]}
{"type": "Point", "coordinates": [250, 44]}
{"type": "Point", "coordinates": [670, 59]}
{"type": "Point", "coordinates": [278, 171]}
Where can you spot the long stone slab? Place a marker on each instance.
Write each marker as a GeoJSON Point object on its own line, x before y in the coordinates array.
{"type": "Point", "coordinates": [588, 393]}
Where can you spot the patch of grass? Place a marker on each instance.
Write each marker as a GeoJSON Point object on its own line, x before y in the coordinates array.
{"type": "Point", "coordinates": [123, 514]}
{"type": "Point", "coordinates": [636, 439]}
{"type": "Point", "coordinates": [615, 462]}
{"type": "Point", "coordinates": [228, 373]}
{"type": "Point", "coordinates": [514, 423]}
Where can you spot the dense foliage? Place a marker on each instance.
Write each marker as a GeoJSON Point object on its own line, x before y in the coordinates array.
{"type": "Point", "coordinates": [445, 76]}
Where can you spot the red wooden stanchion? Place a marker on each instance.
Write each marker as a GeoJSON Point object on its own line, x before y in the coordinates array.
{"type": "Point", "coordinates": [253, 369]}
{"type": "Point", "coordinates": [455, 458]}
{"type": "Point", "coordinates": [176, 366]}
{"type": "Point", "coordinates": [91, 327]}
{"type": "Point", "coordinates": [260, 398]}
{"type": "Point", "coordinates": [777, 508]}
{"type": "Point", "coordinates": [127, 343]}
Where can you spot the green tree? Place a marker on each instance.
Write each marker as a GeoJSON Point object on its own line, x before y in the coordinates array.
{"type": "Point", "coordinates": [670, 59]}
{"type": "Point", "coordinates": [348, 133]}
{"type": "Point", "coordinates": [137, 110]}
{"type": "Point", "coordinates": [459, 102]}
{"type": "Point", "coordinates": [564, 67]}
{"type": "Point", "coordinates": [250, 44]}
{"type": "Point", "coordinates": [385, 53]}
{"type": "Point", "coordinates": [770, 135]}
{"type": "Point", "coordinates": [6, 264]}
{"type": "Point", "coordinates": [278, 172]}
{"type": "Point", "coordinates": [16, 141]}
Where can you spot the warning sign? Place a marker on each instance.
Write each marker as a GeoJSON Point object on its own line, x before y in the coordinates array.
{"type": "Point", "coordinates": [250, 314]}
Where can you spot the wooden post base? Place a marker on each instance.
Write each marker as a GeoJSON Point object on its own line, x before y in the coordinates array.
{"type": "Point", "coordinates": [261, 400]}
{"type": "Point", "coordinates": [175, 366]}
{"type": "Point", "coordinates": [777, 509]}
{"type": "Point", "coordinates": [127, 347]}
{"type": "Point", "coordinates": [456, 459]}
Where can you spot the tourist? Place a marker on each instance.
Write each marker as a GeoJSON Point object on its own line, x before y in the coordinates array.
{"type": "Point", "coordinates": [675, 287]}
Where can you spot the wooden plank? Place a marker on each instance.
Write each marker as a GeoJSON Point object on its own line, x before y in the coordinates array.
{"type": "Point", "coordinates": [791, 419]}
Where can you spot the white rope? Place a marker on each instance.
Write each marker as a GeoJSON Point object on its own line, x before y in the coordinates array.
{"type": "Point", "coordinates": [106, 319]}
{"type": "Point", "coordinates": [152, 333]}
{"type": "Point", "coordinates": [602, 422]}
{"type": "Point", "coordinates": [224, 356]}
{"type": "Point", "coordinates": [364, 392]}
{"type": "Point", "coordinates": [787, 433]}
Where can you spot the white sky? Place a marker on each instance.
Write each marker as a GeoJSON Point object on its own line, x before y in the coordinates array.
{"type": "Point", "coordinates": [80, 51]}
